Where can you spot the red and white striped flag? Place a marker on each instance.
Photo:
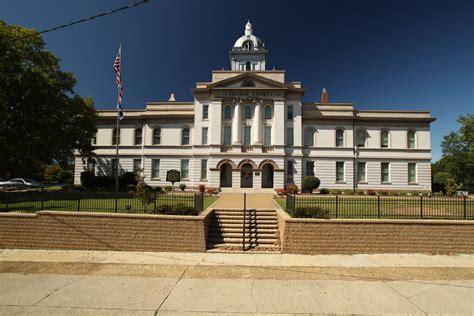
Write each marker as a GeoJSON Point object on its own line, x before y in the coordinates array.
{"type": "Point", "coordinates": [117, 66]}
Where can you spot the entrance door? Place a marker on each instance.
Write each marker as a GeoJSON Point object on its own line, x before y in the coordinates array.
{"type": "Point", "coordinates": [267, 176]}
{"type": "Point", "coordinates": [226, 176]}
{"type": "Point", "coordinates": [246, 176]}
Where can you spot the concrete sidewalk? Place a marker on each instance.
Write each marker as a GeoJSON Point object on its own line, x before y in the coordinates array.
{"type": "Point", "coordinates": [236, 200]}
{"type": "Point", "coordinates": [124, 283]}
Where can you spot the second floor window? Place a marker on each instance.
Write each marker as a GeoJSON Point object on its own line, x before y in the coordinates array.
{"type": "Point", "coordinates": [248, 112]}
{"type": "Point", "coordinates": [204, 135]}
{"type": "Point", "coordinates": [205, 111]}
{"type": "Point", "coordinates": [289, 136]}
{"type": "Point", "coordinates": [267, 137]}
{"type": "Point", "coordinates": [138, 136]}
{"type": "Point", "coordinates": [227, 135]}
{"type": "Point", "coordinates": [157, 136]}
{"type": "Point", "coordinates": [247, 135]}
{"type": "Point", "coordinates": [411, 139]}
{"type": "Point", "coordinates": [114, 137]}
{"type": "Point", "coordinates": [185, 136]}
{"type": "Point", "coordinates": [268, 112]}
{"type": "Point", "coordinates": [227, 112]}
{"type": "Point", "coordinates": [309, 137]}
{"type": "Point", "coordinates": [361, 138]}
{"type": "Point", "coordinates": [339, 137]}
{"type": "Point", "coordinates": [384, 139]}
{"type": "Point", "coordinates": [289, 112]}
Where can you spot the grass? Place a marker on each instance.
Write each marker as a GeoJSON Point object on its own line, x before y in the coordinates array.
{"type": "Point", "coordinates": [390, 207]}
{"type": "Point", "coordinates": [92, 203]}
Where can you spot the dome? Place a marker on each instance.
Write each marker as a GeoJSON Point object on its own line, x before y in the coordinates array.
{"type": "Point", "coordinates": [248, 36]}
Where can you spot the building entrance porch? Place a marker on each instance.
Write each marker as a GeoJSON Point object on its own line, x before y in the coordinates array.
{"type": "Point", "coordinates": [247, 174]}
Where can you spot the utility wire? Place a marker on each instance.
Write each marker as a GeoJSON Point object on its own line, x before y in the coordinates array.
{"type": "Point", "coordinates": [94, 17]}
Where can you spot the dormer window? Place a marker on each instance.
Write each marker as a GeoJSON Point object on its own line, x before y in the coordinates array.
{"type": "Point", "coordinates": [248, 83]}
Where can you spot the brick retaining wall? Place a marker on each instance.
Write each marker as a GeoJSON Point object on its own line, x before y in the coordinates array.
{"type": "Point", "coordinates": [99, 231]}
{"type": "Point", "coordinates": [333, 236]}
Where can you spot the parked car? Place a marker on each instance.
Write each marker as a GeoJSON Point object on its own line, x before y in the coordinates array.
{"type": "Point", "coordinates": [28, 183]}
{"type": "Point", "coordinates": [8, 185]}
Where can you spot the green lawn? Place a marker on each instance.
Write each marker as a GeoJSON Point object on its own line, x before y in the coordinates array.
{"type": "Point", "coordinates": [388, 207]}
{"type": "Point", "coordinates": [90, 203]}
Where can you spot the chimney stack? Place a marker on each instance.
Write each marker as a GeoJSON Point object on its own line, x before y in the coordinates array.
{"type": "Point", "coordinates": [324, 96]}
{"type": "Point", "coordinates": [172, 98]}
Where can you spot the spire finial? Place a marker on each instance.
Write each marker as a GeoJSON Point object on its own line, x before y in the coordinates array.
{"type": "Point", "coordinates": [248, 28]}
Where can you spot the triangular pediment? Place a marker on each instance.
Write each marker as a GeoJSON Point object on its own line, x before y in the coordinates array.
{"type": "Point", "coordinates": [247, 80]}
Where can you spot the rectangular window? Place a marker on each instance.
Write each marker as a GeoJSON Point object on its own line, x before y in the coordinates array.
{"type": "Point", "coordinates": [113, 167]}
{"type": "Point", "coordinates": [227, 135]}
{"type": "Point", "coordinates": [184, 168]}
{"type": "Point", "coordinates": [267, 139]}
{"type": "Point", "coordinates": [310, 168]}
{"type": "Point", "coordinates": [289, 136]}
{"type": "Point", "coordinates": [289, 112]}
{"type": "Point", "coordinates": [203, 169]}
{"type": "Point", "coordinates": [94, 137]}
{"type": "Point", "coordinates": [411, 172]}
{"type": "Point", "coordinates": [155, 168]}
{"type": "Point", "coordinates": [205, 111]}
{"type": "Point", "coordinates": [247, 135]}
{"type": "Point", "coordinates": [289, 170]}
{"type": "Point", "coordinates": [204, 135]}
{"type": "Point", "coordinates": [361, 177]}
{"type": "Point", "coordinates": [385, 171]}
{"type": "Point", "coordinates": [90, 166]}
{"type": "Point", "coordinates": [339, 171]}
{"type": "Point", "coordinates": [138, 136]}
{"type": "Point", "coordinates": [137, 165]}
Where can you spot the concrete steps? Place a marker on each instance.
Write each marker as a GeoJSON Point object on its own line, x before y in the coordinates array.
{"type": "Point", "coordinates": [261, 230]}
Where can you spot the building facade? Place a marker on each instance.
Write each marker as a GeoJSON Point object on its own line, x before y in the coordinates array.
{"type": "Point", "coordinates": [249, 128]}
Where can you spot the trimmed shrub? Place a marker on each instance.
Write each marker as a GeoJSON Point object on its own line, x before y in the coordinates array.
{"type": "Point", "coordinates": [182, 186]}
{"type": "Point", "coordinates": [324, 191]}
{"type": "Point", "coordinates": [212, 190]}
{"type": "Point", "coordinates": [383, 192]}
{"type": "Point", "coordinates": [371, 192]}
{"type": "Point", "coordinates": [168, 188]}
{"type": "Point", "coordinates": [311, 212]}
{"type": "Point", "coordinates": [174, 209]}
{"type": "Point", "coordinates": [292, 188]}
{"type": "Point", "coordinates": [310, 183]}
{"type": "Point", "coordinates": [360, 192]}
{"type": "Point", "coordinates": [87, 179]}
{"type": "Point", "coordinates": [348, 192]}
{"type": "Point", "coordinates": [128, 178]}
{"type": "Point", "coordinates": [158, 189]}
{"type": "Point", "coordinates": [393, 193]}
{"type": "Point", "coordinates": [281, 191]}
{"type": "Point", "coordinates": [440, 193]}
{"type": "Point", "coordinates": [335, 191]}
{"type": "Point", "coordinates": [452, 187]}
{"type": "Point", "coordinates": [202, 188]}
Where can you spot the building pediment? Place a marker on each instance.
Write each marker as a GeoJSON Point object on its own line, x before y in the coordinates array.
{"type": "Point", "coordinates": [247, 81]}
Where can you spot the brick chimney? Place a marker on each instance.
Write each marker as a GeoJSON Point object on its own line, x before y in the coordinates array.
{"type": "Point", "coordinates": [324, 96]}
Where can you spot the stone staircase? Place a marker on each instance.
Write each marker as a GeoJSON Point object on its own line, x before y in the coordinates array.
{"type": "Point", "coordinates": [261, 230]}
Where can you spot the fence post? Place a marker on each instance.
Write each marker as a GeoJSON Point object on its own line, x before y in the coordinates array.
{"type": "Point", "coordinates": [465, 206]}
{"type": "Point", "coordinates": [79, 200]}
{"type": "Point", "coordinates": [378, 206]}
{"type": "Point", "coordinates": [421, 206]}
{"type": "Point", "coordinates": [337, 205]}
{"type": "Point", "coordinates": [42, 198]}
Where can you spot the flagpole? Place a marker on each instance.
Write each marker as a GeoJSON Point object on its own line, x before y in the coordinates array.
{"type": "Point", "coordinates": [117, 140]}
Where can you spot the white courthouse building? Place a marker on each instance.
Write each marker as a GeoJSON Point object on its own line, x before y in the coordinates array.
{"type": "Point", "coordinates": [250, 128]}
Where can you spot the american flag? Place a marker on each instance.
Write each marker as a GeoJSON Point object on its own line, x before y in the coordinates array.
{"type": "Point", "coordinates": [117, 64]}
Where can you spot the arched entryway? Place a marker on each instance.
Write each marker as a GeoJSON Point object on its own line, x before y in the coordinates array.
{"type": "Point", "coordinates": [226, 175]}
{"type": "Point", "coordinates": [246, 176]}
{"type": "Point", "coordinates": [267, 176]}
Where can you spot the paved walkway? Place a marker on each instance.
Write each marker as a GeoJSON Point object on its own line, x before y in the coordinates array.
{"type": "Point", "coordinates": [124, 283]}
{"type": "Point", "coordinates": [236, 200]}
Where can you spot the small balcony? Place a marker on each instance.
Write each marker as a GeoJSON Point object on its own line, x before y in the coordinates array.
{"type": "Point", "coordinates": [246, 148]}
{"type": "Point", "coordinates": [268, 149]}
{"type": "Point", "coordinates": [226, 148]}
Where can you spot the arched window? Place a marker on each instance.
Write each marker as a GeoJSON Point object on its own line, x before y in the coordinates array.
{"type": "Point", "coordinates": [248, 112]}
{"type": "Point", "coordinates": [384, 138]}
{"type": "Point", "coordinates": [361, 138]}
{"type": "Point", "coordinates": [411, 139]}
{"type": "Point", "coordinates": [157, 136]}
{"type": "Point", "coordinates": [138, 136]}
{"type": "Point", "coordinates": [248, 66]}
{"type": "Point", "coordinates": [268, 112]}
{"type": "Point", "coordinates": [248, 83]}
{"type": "Point", "coordinates": [227, 112]}
{"type": "Point", "coordinates": [185, 136]}
{"type": "Point", "coordinates": [309, 137]}
{"type": "Point", "coordinates": [339, 137]}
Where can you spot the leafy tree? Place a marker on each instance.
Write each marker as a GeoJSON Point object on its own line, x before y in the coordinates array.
{"type": "Point", "coordinates": [452, 187]}
{"type": "Point", "coordinates": [458, 155]}
{"type": "Point", "coordinates": [42, 119]}
{"type": "Point", "coordinates": [56, 173]}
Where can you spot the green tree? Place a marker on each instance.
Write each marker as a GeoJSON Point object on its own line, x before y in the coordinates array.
{"type": "Point", "coordinates": [457, 157]}
{"type": "Point", "coordinates": [42, 119]}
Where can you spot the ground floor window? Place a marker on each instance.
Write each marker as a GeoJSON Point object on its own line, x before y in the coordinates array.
{"type": "Point", "coordinates": [90, 165]}
{"type": "Point", "coordinates": [361, 174]}
{"type": "Point", "coordinates": [155, 168]}
{"type": "Point", "coordinates": [137, 165]}
{"type": "Point", "coordinates": [289, 170]}
{"type": "Point", "coordinates": [310, 168]}
{"type": "Point", "coordinates": [203, 169]}
{"type": "Point", "coordinates": [339, 171]}
{"type": "Point", "coordinates": [411, 172]}
{"type": "Point", "coordinates": [385, 171]}
{"type": "Point", "coordinates": [184, 168]}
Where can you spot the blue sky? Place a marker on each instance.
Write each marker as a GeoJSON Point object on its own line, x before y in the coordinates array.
{"type": "Point", "coordinates": [400, 55]}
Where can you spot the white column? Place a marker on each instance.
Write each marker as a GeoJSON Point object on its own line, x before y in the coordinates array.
{"type": "Point", "coordinates": [215, 122]}
{"type": "Point", "coordinates": [236, 124]}
{"type": "Point", "coordinates": [257, 123]}
{"type": "Point", "coordinates": [278, 128]}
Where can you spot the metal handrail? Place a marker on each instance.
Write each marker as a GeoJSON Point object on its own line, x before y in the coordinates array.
{"type": "Point", "coordinates": [243, 227]}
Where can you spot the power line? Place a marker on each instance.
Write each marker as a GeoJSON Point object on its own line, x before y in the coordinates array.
{"type": "Point", "coordinates": [94, 17]}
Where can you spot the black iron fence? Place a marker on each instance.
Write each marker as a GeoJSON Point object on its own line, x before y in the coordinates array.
{"type": "Point", "coordinates": [122, 202]}
{"type": "Point", "coordinates": [410, 207]}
